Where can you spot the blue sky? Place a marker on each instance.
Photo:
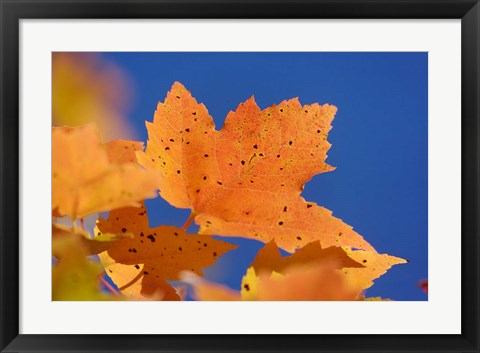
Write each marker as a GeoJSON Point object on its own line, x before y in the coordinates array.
{"type": "Point", "coordinates": [379, 140]}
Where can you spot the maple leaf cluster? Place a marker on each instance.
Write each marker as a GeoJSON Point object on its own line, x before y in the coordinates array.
{"type": "Point", "coordinates": [244, 180]}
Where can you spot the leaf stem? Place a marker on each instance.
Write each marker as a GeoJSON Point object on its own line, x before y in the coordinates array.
{"type": "Point", "coordinates": [189, 221]}
{"type": "Point", "coordinates": [108, 286]}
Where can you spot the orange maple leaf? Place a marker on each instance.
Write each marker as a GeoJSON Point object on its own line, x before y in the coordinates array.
{"type": "Point", "coordinates": [154, 255]}
{"type": "Point", "coordinates": [306, 283]}
{"type": "Point", "coordinates": [269, 259]}
{"type": "Point", "coordinates": [246, 179]}
{"type": "Point", "coordinates": [311, 273]}
{"type": "Point", "coordinates": [358, 268]}
{"type": "Point", "coordinates": [86, 181]}
{"type": "Point", "coordinates": [317, 281]}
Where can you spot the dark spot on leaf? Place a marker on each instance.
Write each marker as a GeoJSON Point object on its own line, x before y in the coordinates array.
{"type": "Point", "coordinates": [205, 155]}
{"type": "Point", "coordinates": [151, 237]}
{"type": "Point", "coordinates": [124, 230]}
{"type": "Point", "coordinates": [280, 223]}
{"type": "Point", "coordinates": [219, 183]}
{"type": "Point", "coordinates": [187, 129]}
{"type": "Point", "coordinates": [247, 287]}
{"type": "Point", "coordinates": [255, 146]}
{"type": "Point", "coordinates": [285, 209]}
{"type": "Point", "coordinates": [243, 162]}
{"type": "Point", "coordinates": [137, 267]}
{"type": "Point", "coordinates": [180, 248]}
{"type": "Point", "coordinates": [309, 205]}
{"type": "Point", "coordinates": [145, 273]}
{"type": "Point", "coordinates": [172, 140]}
{"type": "Point", "coordinates": [299, 238]}
{"type": "Point", "coordinates": [290, 143]}
{"type": "Point", "coordinates": [167, 148]}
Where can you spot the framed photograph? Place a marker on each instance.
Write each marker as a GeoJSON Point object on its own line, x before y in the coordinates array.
{"type": "Point", "coordinates": [233, 176]}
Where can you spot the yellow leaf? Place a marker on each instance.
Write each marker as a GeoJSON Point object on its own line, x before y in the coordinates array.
{"type": "Point", "coordinates": [90, 246]}
{"type": "Point", "coordinates": [249, 289]}
{"type": "Point", "coordinates": [74, 276]}
{"type": "Point", "coordinates": [122, 275]}
{"type": "Point", "coordinates": [88, 89]}
{"type": "Point", "coordinates": [375, 265]}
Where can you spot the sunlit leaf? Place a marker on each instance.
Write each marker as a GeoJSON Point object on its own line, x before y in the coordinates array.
{"type": "Point", "coordinates": [155, 255]}
{"type": "Point", "coordinates": [246, 179]}
{"type": "Point", "coordinates": [86, 181]}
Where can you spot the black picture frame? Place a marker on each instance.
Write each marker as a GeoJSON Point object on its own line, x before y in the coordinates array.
{"type": "Point", "coordinates": [12, 11]}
